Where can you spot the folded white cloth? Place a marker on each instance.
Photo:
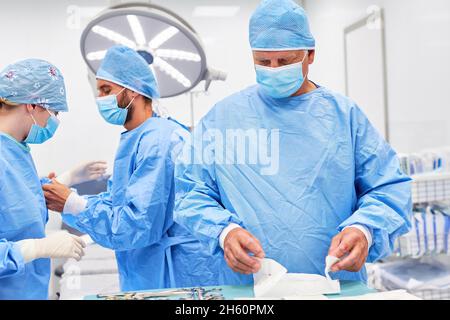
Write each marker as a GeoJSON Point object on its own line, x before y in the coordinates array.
{"type": "Point", "coordinates": [274, 281]}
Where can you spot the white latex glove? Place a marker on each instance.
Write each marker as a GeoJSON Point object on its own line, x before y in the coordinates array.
{"type": "Point", "coordinates": [85, 172]}
{"type": "Point", "coordinates": [58, 245]}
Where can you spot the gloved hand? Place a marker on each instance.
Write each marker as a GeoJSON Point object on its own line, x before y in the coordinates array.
{"type": "Point", "coordinates": [58, 245]}
{"type": "Point", "coordinates": [85, 172]}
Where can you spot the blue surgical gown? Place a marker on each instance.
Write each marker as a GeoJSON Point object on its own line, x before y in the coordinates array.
{"type": "Point", "coordinates": [134, 216]}
{"type": "Point", "coordinates": [334, 170]}
{"type": "Point", "coordinates": [23, 215]}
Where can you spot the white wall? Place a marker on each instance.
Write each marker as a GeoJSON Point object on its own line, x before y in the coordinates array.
{"type": "Point", "coordinates": [418, 47]}
{"type": "Point", "coordinates": [29, 29]}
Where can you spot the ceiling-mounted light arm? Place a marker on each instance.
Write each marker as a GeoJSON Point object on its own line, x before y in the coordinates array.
{"type": "Point", "coordinates": [214, 75]}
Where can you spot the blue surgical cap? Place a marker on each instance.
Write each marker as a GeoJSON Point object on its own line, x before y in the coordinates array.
{"type": "Point", "coordinates": [125, 67]}
{"type": "Point", "coordinates": [34, 81]}
{"type": "Point", "coordinates": [279, 25]}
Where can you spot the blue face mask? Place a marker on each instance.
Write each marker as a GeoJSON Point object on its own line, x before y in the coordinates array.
{"type": "Point", "coordinates": [110, 111]}
{"type": "Point", "coordinates": [38, 134]}
{"type": "Point", "coordinates": [281, 82]}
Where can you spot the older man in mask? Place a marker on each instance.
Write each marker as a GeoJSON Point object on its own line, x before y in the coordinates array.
{"type": "Point", "coordinates": [336, 189]}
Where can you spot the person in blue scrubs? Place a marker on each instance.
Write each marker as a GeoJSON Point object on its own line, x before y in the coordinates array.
{"type": "Point", "coordinates": [288, 169]}
{"type": "Point", "coordinates": [32, 92]}
{"type": "Point", "coordinates": [134, 216]}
